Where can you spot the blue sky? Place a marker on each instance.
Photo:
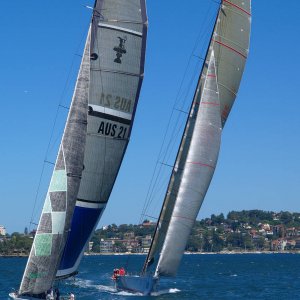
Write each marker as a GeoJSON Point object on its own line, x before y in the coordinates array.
{"type": "Point", "coordinates": [259, 166]}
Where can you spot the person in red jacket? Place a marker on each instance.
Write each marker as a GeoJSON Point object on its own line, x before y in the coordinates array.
{"type": "Point", "coordinates": [122, 272]}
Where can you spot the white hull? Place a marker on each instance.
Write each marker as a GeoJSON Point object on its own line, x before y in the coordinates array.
{"type": "Point", "coordinates": [16, 297]}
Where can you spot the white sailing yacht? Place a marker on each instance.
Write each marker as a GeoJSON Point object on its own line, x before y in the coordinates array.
{"type": "Point", "coordinates": [197, 155]}
{"type": "Point", "coordinates": [95, 138]}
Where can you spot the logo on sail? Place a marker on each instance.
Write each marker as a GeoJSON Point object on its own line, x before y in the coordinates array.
{"type": "Point", "coordinates": [120, 49]}
{"type": "Point", "coordinates": [94, 56]}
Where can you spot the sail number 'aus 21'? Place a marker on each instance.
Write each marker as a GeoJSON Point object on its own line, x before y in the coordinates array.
{"type": "Point", "coordinates": [113, 130]}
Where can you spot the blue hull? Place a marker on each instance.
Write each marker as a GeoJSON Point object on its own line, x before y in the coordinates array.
{"type": "Point", "coordinates": [137, 284]}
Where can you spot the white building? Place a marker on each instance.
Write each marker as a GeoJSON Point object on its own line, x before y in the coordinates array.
{"type": "Point", "coordinates": [91, 244]}
{"type": "Point", "coordinates": [2, 230]}
{"type": "Point", "coordinates": [106, 246]}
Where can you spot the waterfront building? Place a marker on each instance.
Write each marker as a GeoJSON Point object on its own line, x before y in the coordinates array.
{"type": "Point", "coordinates": [2, 230]}
{"type": "Point", "coordinates": [106, 246]}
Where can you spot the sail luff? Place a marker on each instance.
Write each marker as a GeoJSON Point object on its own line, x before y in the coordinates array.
{"type": "Point", "coordinates": [60, 200]}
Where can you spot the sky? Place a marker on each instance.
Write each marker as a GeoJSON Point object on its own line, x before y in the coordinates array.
{"type": "Point", "coordinates": [259, 165]}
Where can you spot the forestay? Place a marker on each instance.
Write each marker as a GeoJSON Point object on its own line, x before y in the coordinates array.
{"type": "Point", "coordinates": [117, 68]}
{"type": "Point", "coordinates": [226, 57]}
{"type": "Point", "coordinates": [55, 221]}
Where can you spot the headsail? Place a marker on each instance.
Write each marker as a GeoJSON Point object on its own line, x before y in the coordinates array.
{"type": "Point", "coordinates": [222, 71]}
{"type": "Point", "coordinates": [118, 43]}
{"type": "Point", "coordinates": [191, 181]}
{"type": "Point", "coordinates": [58, 209]}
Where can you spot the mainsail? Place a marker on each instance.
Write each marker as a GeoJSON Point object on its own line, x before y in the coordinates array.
{"type": "Point", "coordinates": [118, 41]}
{"type": "Point", "coordinates": [56, 217]}
{"type": "Point", "coordinates": [198, 152]}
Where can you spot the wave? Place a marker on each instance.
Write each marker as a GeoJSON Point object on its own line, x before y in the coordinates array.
{"type": "Point", "coordinates": [89, 284]}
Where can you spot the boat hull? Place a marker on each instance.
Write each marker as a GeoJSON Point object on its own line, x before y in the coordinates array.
{"type": "Point", "coordinates": [16, 297]}
{"type": "Point", "coordinates": [137, 284]}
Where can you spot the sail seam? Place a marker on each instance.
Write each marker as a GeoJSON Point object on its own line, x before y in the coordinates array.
{"type": "Point", "coordinates": [207, 89]}
{"type": "Point", "coordinates": [125, 21]}
{"type": "Point", "coordinates": [231, 41]}
{"type": "Point", "coordinates": [231, 48]}
{"type": "Point", "coordinates": [238, 7]}
{"type": "Point", "coordinates": [122, 29]}
{"type": "Point", "coordinates": [200, 164]}
{"type": "Point", "coordinates": [118, 72]}
{"type": "Point", "coordinates": [227, 88]}
{"type": "Point", "coordinates": [211, 103]}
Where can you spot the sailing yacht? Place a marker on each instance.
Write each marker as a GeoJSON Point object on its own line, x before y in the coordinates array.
{"type": "Point", "coordinates": [198, 151]}
{"type": "Point", "coordinates": [94, 141]}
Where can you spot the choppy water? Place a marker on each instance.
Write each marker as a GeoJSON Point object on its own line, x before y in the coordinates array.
{"type": "Point", "coordinates": [246, 276]}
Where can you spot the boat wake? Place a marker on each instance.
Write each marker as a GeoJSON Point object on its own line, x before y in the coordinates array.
{"type": "Point", "coordinates": [89, 284]}
{"type": "Point", "coordinates": [164, 292]}
{"type": "Point", "coordinates": [154, 294]}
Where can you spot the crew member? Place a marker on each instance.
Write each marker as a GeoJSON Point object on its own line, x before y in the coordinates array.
{"type": "Point", "coordinates": [122, 272]}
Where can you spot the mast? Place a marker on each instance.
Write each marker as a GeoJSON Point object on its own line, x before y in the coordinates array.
{"type": "Point", "coordinates": [56, 217]}
{"type": "Point", "coordinates": [118, 45]}
{"type": "Point", "coordinates": [226, 56]}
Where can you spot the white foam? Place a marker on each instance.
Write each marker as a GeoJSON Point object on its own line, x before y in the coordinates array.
{"type": "Point", "coordinates": [85, 283]}
{"type": "Point", "coordinates": [163, 292]}
{"type": "Point", "coordinates": [105, 288]}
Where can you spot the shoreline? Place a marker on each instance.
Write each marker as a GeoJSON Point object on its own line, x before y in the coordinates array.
{"type": "Point", "coordinates": [185, 253]}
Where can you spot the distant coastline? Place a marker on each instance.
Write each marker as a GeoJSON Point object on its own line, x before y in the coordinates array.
{"type": "Point", "coordinates": [203, 253]}
{"type": "Point", "coordinates": [186, 253]}
{"type": "Point", "coordinates": [241, 232]}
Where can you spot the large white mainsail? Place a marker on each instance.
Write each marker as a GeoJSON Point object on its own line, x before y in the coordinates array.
{"type": "Point", "coordinates": [196, 159]}
{"type": "Point", "coordinates": [118, 42]}
{"type": "Point", "coordinates": [56, 217]}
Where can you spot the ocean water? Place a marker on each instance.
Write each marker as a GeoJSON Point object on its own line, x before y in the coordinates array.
{"type": "Point", "coordinates": [239, 276]}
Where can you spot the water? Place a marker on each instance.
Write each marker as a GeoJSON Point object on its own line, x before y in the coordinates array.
{"type": "Point", "coordinates": [246, 276]}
